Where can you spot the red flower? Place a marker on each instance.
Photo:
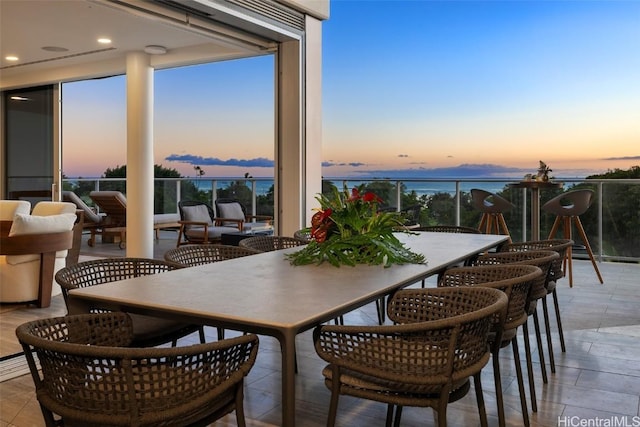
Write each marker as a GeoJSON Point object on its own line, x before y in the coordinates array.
{"type": "Point", "coordinates": [320, 225]}
{"type": "Point", "coordinates": [371, 197]}
{"type": "Point", "coordinates": [355, 195]}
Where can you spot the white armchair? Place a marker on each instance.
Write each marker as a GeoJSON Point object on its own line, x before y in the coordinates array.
{"type": "Point", "coordinates": [33, 247]}
{"type": "Point", "coordinates": [9, 208]}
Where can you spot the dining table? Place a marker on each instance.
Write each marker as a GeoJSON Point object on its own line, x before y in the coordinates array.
{"type": "Point", "coordinates": [534, 186]}
{"type": "Point", "coordinates": [266, 294]}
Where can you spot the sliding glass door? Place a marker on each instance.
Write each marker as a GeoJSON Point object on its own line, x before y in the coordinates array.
{"type": "Point", "coordinates": [30, 143]}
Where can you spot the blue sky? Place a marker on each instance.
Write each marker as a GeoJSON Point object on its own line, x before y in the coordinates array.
{"type": "Point", "coordinates": [413, 88]}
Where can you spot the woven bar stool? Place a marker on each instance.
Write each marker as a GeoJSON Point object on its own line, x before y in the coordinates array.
{"type": "Point", "coordinates": [568, 207]}
{"type": "Point", "coordinates": [492, 207]}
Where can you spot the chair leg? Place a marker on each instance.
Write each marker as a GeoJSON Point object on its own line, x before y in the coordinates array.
{"type": "Point", "coordinates": [547, 328]}
{"type": "Point", "coordinates": [568, 261]}
{"type": "Point", "coordinates": [583, 236]}
{"type": "Point", "coordinates": [503, 224]}
{"type": "Point", "coordinates": [483, 223]}
{"type": "Point", "coordinates": [527, 352]}
{"type": "Point", "coordinates": [554, 227]}
{"type": "Point", "coordinates": [558, 320]}
{"type": "Point", "coordinates": [498, 384]}
{"type": "Point", "coordinates": [335, 394]}
{"type": "Point", "coordinates": [380, 308]}
{"type": "Point", "coordinates": [523, 397]}
{"type": "Point", "coordinates": [220, 334]}
{"type": "Point", "coordinates": [441, 413]}
{"type": "Point", "coordinates": [543, 367]}
{"type": "Point", "coordinates": [482, 412]}
{"type": "Point", "coordinates": [398, 416]}
{"type": "Point", "coordinates": [240, 420]}
{"type": "Point", "coordinates": [201, 335]}
{"type": "Point", "coordinates": [389, 418]}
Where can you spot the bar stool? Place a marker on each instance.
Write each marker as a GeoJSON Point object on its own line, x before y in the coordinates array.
{"type": "Point", "coordinates": [568, 207]}
{"type": "Point", "coordinates": [492, 207]}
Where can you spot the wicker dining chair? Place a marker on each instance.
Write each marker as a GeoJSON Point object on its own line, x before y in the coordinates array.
{"type": "Point", "coordinates": [90, 376]}
{"type": "Point", "coordinates": [448, 229]}
{"type": "Point", "coordinates": [411, 363]}
{"type": "Point", "coordinates": [303, 234]}
{"type": "Point", "coordinates": [558, 268]}
{"type": "Point", "coordinates": [148, 331]}
{"type": "Point", "coordinates": [543, 260]}
{"type": "Point", "coordinates": [192, 255]}
{"type": "Point", "coordinates": [515, 281]}
{"type": "Point", "coordinates": [271, 243]}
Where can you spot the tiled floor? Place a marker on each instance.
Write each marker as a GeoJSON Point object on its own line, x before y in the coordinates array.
{"type": "Point", "coordinates": [597, 379]}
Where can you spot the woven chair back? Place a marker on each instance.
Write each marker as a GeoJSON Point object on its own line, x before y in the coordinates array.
{"type": "Point", "coordinates": [271, 243]}
{"type": "Point", "coordinates": [96, 272]}
{"type": "Point", "coordinates": [561, 246]}
{"type": "Point", "coordinates": [514, 280]}
{"type": "Point", "coordinates": [90, 377]}
{"type": "Point", "coordinates": [448, 229]}
{"type": "Point", "coordinates": [303, 234]}
{"type": "Point", "coordinates": [430, 323]}
{"type": "Point", "coordinates": [192, 255]}
{"type": "Point", "coordinates": [439, 340]}
{"type": "Point", "coordinates": [541, 259]}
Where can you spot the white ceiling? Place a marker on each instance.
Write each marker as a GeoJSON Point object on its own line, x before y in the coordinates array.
{"type": "Point", "coordinates": [26, 27]}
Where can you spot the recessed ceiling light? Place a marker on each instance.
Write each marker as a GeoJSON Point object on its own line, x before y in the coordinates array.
{"type": "Point", "coordinates": [155, 50]}
{"type": "Point", "coordinates": [11, 58]}
{"type": "Point", "coordinates": [54, 49]}
{"type": "Point", "coordinates": [104, 40]}
{"type": "Point", "coordinates": [19, 98]}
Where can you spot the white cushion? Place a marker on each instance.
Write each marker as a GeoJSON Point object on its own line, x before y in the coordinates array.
{"type": "Point", "coordinates": [230, 211]}
{"type": "Point", "coordinates": [166, 218]}
{"type": "Point", "coordinates": [53, 208]}
{"type": "Point", "coordinates": [31, 224]}
{"type": "Point", "coordinates": [198, 213]}
{"type": "Point", "coordinates": [257, 226]}
{"type": "Point", "coordinates": [214, 233]}
{"type": "Point", "coordinates": [9, 208]}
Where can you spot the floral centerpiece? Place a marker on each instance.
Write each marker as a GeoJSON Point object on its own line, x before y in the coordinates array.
{"type": "Point", "coordinates": [350, 229]}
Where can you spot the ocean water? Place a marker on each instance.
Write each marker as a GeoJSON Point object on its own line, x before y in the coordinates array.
{"type": "Point", "coordinates": [420, 187]}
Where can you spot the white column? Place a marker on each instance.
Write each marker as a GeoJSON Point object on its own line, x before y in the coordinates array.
{"type": "Point", "coordinates": [139, 156]}
{"type": "Point", "coordinates": [299, 129]}
{"type": "Point", "coordinates": [313, 116]}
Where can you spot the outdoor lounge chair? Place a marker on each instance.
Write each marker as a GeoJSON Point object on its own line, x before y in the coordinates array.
{"type": "Point", "coordinates": [113, 204]}
{"type": "Point", "coordinates": [232, 213]}
{"type": "Point", "coordinates": [91, 218]}
{"type": "Point", "coordinates": [198, 224]}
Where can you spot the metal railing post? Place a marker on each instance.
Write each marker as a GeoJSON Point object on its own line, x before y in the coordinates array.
{"type": "Point", "coordinates": [600, 217]}
{"type": "Point", "coordinates": [458, 203]}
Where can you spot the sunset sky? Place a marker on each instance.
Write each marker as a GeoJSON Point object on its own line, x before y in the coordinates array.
{"type": "Point", "coordinates": [410, 88]}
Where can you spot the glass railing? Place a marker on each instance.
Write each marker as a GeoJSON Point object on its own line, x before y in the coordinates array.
{"type": "Point", "coordinates": [612, 222]}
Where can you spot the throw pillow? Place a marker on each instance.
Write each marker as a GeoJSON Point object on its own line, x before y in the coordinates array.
{"type": "Point", "coordinates": [198, 213]}
{"type": "Point", "coordinates": [29, 224]}
{"type": "Point", "coordinates": [230, 211]}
